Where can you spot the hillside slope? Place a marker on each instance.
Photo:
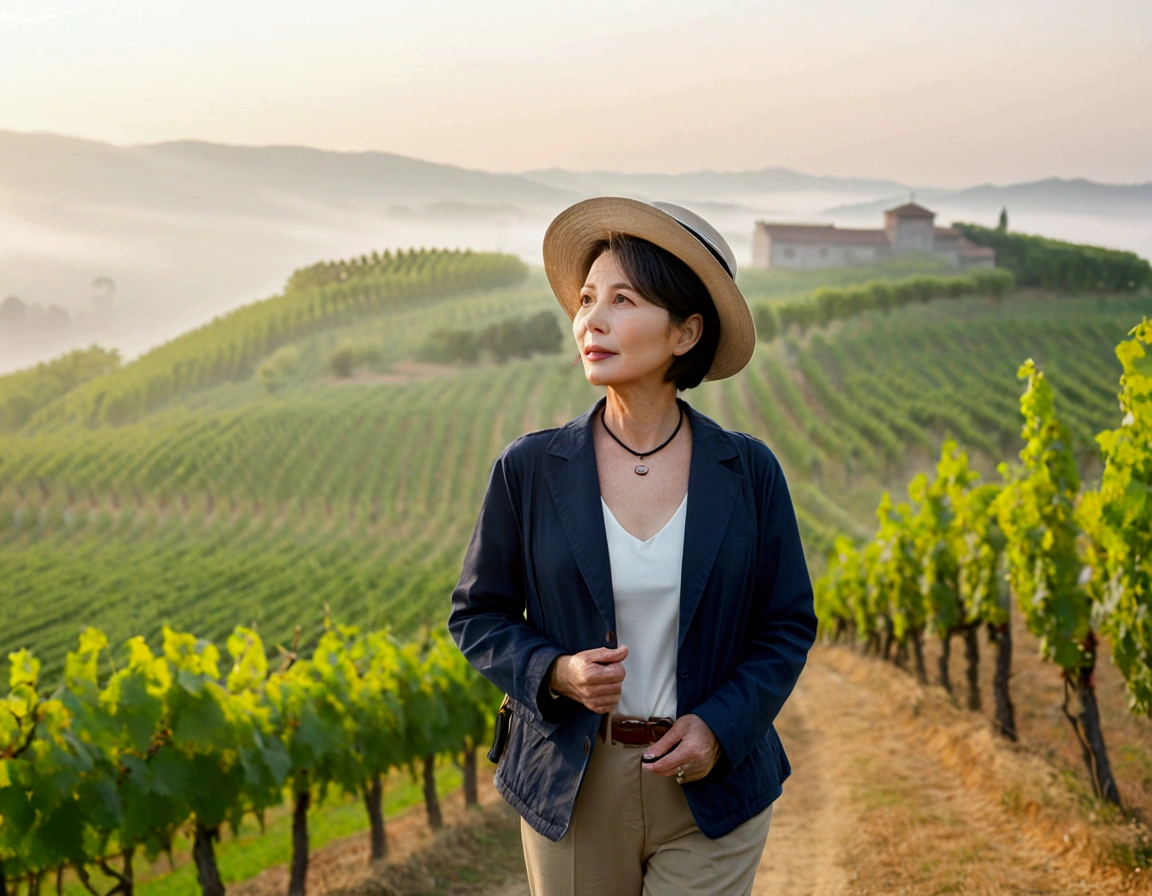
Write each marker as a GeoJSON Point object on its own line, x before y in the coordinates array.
{"type": "Point", "coordinates": [360, 494]}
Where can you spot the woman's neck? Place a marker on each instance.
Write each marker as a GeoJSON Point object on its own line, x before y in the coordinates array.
{"type": "Point", "coordinates": [642, 419]}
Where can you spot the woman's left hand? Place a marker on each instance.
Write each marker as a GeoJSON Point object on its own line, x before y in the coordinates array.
{"type": "Point", "coordinates": [696, 754]}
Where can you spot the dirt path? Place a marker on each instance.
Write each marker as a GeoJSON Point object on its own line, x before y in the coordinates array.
{"type": "Point", "coordinates": [895, 791]}
{"type": "Point", "coordinates": [803, 852]}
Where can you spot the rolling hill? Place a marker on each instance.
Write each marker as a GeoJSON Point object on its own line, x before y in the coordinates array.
{"type": "Point", "coordinates": [208, 500]}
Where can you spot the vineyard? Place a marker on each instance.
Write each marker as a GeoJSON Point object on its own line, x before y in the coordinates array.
{"type": "Point", "coordinates": [1078, 561]}
{"type": "Point", "coordinates": [180, 493]}
{"type": "Point", "coordinates": [229, 347]}
{"type": "Point", "coordinates": [134, 746]}
{"type": "Point", "coordinates": [361, 497]}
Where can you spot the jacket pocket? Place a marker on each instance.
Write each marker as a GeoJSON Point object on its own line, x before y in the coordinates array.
{"type": "Point", "coordinates": [535, 733]}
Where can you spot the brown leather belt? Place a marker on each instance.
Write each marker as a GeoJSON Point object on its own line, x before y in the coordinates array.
{"type": "Point", "coordinates": [635, 732]}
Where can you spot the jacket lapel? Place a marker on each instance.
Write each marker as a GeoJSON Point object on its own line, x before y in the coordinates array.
{"type": "Point", "coordinates": [575, 487]}
{"type": "Point", "coordinates": [712, 489]}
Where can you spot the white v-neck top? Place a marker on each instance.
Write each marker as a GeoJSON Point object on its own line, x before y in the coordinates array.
{"type": "Point", "coordinates": [646, 588]}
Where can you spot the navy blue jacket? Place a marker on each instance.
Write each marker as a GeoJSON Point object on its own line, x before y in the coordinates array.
{"type": "Point", "coordinates": [539, 550]}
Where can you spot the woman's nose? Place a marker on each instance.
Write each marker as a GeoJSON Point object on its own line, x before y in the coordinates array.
{"type": "Point", "coordinates": [594, 318]}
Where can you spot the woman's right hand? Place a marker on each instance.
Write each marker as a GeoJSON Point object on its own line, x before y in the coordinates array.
{"type": "Point", "coordinates": [591, 677]}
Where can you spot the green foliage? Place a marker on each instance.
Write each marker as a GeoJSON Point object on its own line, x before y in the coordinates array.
{"type": "Point", "coordinates": [274, 370]}
{"type": "Point", "coordinates": [933, 563]}
{"type": "Point", "coordinates": [781, 283]}
{"type": "Point", "coordinates": [935, 536]}
{"type": "Point", "coordinates": [522, 338]}
{"type": "Point", "coordinates": [893, 576]}
{"type": "Point", "coordinates": [327, 272]}
{"type": "Point", "coordinates": [451, 345]}
{"type": "Point", "coordinates": [229, 347]}
{"type": "Point", "coordinates": [979, 550]}
{"type": "Point", "coordinates": [1055, 264]}
{"type": "Point", "coordinates": [832, 303]}
{"type": "Point", "coordinates": [501, 340]}
{"type": "Point", "coordinates": [840, 591]}
{"type": "Point", "coordinates": [343, 358]}
{"type": "Point", "coordinates": [766, 321]}
{"type": "Point", "coordinates": [1117, 518]}
{"type": "Point", "coordinates": [1035, 511]}
{"type": "Point", "coordinates": [126, 752]}
{"type": "Point", "coordinates": [26, 391]}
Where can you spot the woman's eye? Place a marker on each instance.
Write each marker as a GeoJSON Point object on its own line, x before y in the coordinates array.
{"type": "Point", "coordinates": [621, 295]}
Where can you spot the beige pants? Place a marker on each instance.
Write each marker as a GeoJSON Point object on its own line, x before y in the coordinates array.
{"type": "Point", "coordinates": [632, 834]}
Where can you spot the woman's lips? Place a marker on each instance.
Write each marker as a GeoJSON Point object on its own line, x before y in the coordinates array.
{"type": "Point", "coordinates": [598, 356]}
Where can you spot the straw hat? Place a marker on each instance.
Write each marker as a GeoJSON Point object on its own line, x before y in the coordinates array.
{"type": "Point", "coordinates": [567, 250]}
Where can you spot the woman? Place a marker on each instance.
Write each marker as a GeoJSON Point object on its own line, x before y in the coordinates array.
{"type": "Point", "coordinates": [635, 581]}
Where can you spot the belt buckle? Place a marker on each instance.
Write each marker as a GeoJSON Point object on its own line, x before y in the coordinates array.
{"type": "Point", "coordinates": [624, 726]}
{"type": "Point", "coordinates": [653, 722]}
{"type": "Point", "coordinates": [648, 726]}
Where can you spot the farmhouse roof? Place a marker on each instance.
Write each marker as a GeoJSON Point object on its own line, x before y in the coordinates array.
{"type": "Point", "coordinates": [910, 210]}
{"type": "Point", "coordinates": [828, 234]}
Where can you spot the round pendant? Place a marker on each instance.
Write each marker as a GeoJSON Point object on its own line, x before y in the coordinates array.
{"type": "Point", "coordinates": [641, 469]}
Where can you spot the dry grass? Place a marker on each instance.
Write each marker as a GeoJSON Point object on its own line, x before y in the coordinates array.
{"type": "Point", "coordinates": [931, 801]}
{"type": "Point", "coordinates": [477, 851]}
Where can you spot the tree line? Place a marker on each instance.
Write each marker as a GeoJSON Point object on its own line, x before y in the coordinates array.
{"type": "Point", "coordinates": [1056, 264]}
{"type": "Point", "coordinates": [512, 337]}
{"type": "Point", "coordinates": [827, 304]}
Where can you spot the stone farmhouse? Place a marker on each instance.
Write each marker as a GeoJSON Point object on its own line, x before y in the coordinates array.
{"type": "Point", "coordinates": [907, 228]}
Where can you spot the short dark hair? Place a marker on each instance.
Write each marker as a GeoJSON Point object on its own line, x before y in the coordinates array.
{"type": "Point", "coordinates": [664, 280]}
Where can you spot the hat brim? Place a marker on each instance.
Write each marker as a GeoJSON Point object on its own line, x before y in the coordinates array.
{"type": "Point", "coordinates": [567, 257]}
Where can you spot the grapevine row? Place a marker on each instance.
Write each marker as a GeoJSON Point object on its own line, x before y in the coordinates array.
{"type": "Point", "coordinates": [134, 747]}
{"type": "Point", "coordinates": [1077, 561]}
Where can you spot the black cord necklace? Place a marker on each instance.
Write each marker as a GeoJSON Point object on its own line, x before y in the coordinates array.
{"type": "Point", "coordinates": [642, 468]}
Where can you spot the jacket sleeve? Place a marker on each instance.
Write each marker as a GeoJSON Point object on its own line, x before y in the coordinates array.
{"type": "Point", "coordinates": [487, 618]}
{"type": "Point", "coordinates": [781, 627]}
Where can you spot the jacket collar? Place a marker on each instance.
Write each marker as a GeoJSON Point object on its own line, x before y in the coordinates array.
{"type": "Point", "coordinates": [712, 488]}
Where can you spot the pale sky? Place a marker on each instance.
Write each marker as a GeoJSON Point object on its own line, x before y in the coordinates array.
{"type": "Point", "coordinates": [930, 92]}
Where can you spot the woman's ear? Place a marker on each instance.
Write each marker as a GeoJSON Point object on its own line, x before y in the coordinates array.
{"type": "Point", "coordinates": [690, 332]}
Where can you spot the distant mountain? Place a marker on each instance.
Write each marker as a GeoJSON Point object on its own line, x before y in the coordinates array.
{"type": "Point", "coordinates": [706, 183]}
{"type": "Point", "coordinates": [194, 177]}
{"type": "Point", "coordinates": [188, 229]}
{"type": "Point", "coordinates": [1076, 196]}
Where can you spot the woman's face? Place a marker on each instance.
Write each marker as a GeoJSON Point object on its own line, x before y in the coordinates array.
{"type": "Point", "coordinates": [634, 332]}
